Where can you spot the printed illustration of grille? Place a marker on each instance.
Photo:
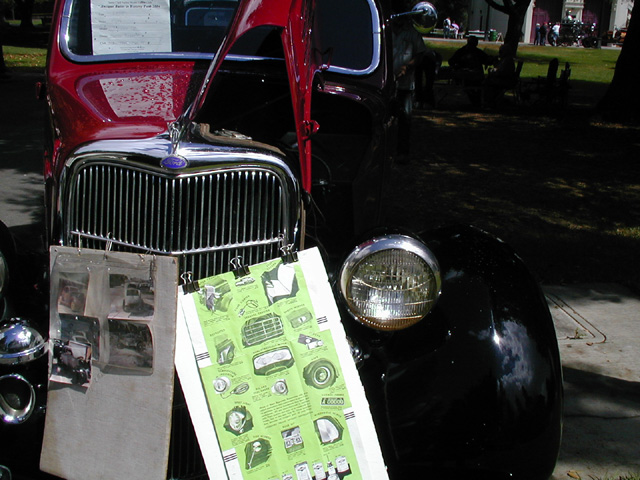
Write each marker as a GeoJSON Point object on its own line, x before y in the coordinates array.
{"type": "Point", "coordinates": [260, 330]}
{"type": "Point", "coordinates": [207, 218]}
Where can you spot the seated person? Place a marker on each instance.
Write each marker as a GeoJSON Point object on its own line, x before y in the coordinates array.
{"type": "Point", "coordinates": [502, 76]}
{"type": "Point", "coordinates": [469, 61]}
{"type": "Point", "coordinates": [468, 65]}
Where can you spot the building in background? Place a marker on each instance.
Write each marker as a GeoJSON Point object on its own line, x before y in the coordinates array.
{"type": "Point", "coordinates": [608, 15]}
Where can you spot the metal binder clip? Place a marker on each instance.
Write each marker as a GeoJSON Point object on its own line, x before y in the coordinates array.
{"type": "Point", "coordinates": [189, 285]}
{"type": "Point", "coordinates": [108, 246]}
{"type": "Point", "coordinates": [79, 243]}
{"type": "Point", "coordinates": [289, 255]}
{"type": "Point", "coordinates": [239, 270]}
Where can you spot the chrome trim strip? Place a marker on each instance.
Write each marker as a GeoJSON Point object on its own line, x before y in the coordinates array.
{"type": "Point", "coordinates": [190, 251]}
{"type": "Point", "coordinates": [377, 45]}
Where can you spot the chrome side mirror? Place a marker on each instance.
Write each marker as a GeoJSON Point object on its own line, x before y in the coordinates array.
{"type": "Point", "coordinates": [424, 16]}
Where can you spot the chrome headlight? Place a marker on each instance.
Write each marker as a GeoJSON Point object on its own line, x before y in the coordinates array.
{"type": "Point", "coordinates": [20, 342]}
{"type": "Point", "coordinates": [17, 399]}
{"type": "Point", "coordinates": [390, 282]}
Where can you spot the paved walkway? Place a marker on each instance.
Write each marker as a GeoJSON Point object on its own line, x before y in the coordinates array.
{"type": "Point", "coordinates": [598, 328]}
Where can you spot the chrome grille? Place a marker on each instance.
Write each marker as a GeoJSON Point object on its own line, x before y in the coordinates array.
{"type": "Point", "coordinates": [207, 218]}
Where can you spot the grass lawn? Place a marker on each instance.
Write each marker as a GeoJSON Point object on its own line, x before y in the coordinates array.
{"type": "Point", "coordinates": [591, 69]}
{"type": "Point", "coordinates": [24, 59]}
{"type": "Point", "coordinates": [587, 64]}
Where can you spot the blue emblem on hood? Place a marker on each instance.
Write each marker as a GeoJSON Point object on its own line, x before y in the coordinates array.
{"type": "Point", "coordinates": [174, 162]}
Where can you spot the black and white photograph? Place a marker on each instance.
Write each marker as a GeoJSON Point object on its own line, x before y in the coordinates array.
{"type": "Point", "coordinates": [131, 297]}
{"type": "Point", "coordinates": [72, 293]}
{"type": "Point", "coordinates": [81, 329]}
{"type": "Point", "coordinates": [71, 362]}
{"type": "Point", "coordinates": [130, 345]}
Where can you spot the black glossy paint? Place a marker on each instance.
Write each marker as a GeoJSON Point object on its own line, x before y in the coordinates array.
{"type": "Point", "coordinates": [476, 386]}
{"type": "Point", "coordinates": [474, 389]}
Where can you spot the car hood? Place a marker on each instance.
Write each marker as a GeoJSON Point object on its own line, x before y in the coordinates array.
{"type": "Point", "coordinates": [156, 97]}
{"type": "Point", "coordinates": [92, 102]}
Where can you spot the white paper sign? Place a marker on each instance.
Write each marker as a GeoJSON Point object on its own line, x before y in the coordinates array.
{"type": "Point", "coordinates": [130, 26]}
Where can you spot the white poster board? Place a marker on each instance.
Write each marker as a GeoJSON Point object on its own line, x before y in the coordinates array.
{"type": "Point", "coordinates": [130, 26]}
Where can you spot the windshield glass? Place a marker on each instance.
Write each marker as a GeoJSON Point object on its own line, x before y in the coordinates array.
{"type": "Point", "coordinates": [99, 30]}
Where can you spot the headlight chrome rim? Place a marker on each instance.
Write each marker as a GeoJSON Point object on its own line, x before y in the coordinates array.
{"type": "Point", "coordinates": [407, 248]}
{"type": "Point", "coordinates": [20, 342]}
{"type": "Point", "coordinates": [9, 414]}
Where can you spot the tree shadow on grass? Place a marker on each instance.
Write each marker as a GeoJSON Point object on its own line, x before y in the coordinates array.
{"type": "Point", "coordinates": [565, 192]}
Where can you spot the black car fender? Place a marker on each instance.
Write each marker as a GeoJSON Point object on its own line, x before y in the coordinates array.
{"type": "Point", "coordinates": [477, 384]}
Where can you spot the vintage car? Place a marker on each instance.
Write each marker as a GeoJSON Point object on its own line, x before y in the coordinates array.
{"type": "Point", "coordinates": [212, 129]}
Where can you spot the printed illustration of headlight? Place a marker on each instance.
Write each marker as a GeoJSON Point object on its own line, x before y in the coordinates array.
{"type": "Point", "coordinates": [328, 429]}
{"type": "Point", "coordinates": [238, 420]}
{"type": "Point", "coordinates": [390, 282]}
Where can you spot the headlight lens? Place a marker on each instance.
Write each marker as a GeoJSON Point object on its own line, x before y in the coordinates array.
{"type": "Point", "coordinates": [390, 282]}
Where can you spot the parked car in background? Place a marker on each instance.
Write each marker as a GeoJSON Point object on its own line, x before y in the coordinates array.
{"type": "Point", "coordinates": [231, 128]}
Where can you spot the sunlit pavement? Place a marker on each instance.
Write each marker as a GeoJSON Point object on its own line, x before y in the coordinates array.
{"type": "Point", "coordinates": [21, 146]}
{"type": "Point", "coordinates": [598, 329]}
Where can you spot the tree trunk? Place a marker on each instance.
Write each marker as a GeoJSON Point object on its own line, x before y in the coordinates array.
{"type": "Point", "coordinates": [3, 66]}
{"type": "Point", "coordinates": [516, 10]}
{"type": "Point", "coordinates": [621, 103]}
{"type": "Point", "coordinates": [514, 26]}
{"type": "Point", "coordinates": [26, 13]}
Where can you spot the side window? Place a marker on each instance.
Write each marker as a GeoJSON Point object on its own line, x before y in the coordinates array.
{"type": "Point", "coordinates": [79, 33]}
{"type": "Point", "coordinates": [348, 33]}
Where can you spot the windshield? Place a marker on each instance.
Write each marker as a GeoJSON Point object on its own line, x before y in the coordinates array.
{"type": "Point", "coordinates": [103, 30]}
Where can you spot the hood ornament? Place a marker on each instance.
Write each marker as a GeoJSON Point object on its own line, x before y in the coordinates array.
{"type": "Point", "coordinates": [176, 132]}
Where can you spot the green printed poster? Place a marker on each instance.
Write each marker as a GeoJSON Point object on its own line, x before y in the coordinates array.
{"type": "Point", "coordinates": [281, 393]}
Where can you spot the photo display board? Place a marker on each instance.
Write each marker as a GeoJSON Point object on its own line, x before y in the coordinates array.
{"type": "Point", "coordinates": [111, 364]}
{"type": "Point", "coordinates": [269, 379]}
